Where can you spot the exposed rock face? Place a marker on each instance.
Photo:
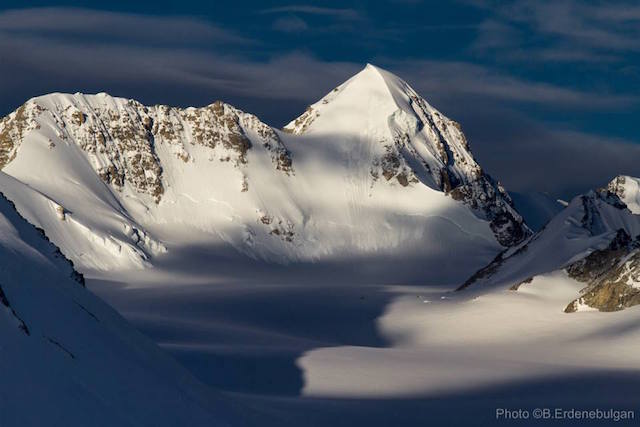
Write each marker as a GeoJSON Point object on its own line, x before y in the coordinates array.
{"type": "Point", "coordinates": [490, 198]}
{"type": "Point", "coordinates": [13, 128]}
{"type": "Point", "coordinates": [118, 141]}
{"type": "Point", "coordinates": [612, 274]}
{"type": "Point", "coordinates": [524, 282]}
{"type": "Point", "coordinates": [617, 186]}
{"type": "Point", "coordinates": [600, 261]}
{"type": "Point", "coordinates": [120, 137]}
{"type": "Point", "coordinates": [303, 122]}
{"type": "Point", "coordinates": [627, 188]}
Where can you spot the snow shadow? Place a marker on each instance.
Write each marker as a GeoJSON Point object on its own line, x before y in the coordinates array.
{"type": "Point", "coordinates": [240, 324]}
{"type": "Point", "coordinates": [593, 390]}
{"type": "Point", "coordinates": [247, 338]}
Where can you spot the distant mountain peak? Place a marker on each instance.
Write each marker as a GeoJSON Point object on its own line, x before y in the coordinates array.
{"type": "Point", "coordinates": [595, 240]}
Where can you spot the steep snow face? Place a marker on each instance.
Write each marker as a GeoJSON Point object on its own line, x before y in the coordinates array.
{"type": "Point", "coordinates": [68, 358]}
{"type": "Point", "coordinates": [376, 171]}
{"type": "Point", "coordinates": [408, 141]}
{"type": "Point", "coordinates": [594, 238]}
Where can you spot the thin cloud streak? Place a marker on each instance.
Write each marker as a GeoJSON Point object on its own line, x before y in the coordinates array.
{"type": "Point", "coordinates": [566, 27]}
{"type": "Point", "coordinates": [290, 24]}
{"type": "Point", "coordinates": [114, 26]}
{"type": "Point", "coordinates": [350, 14]}
{"type": "Point", "coordinates": [466, 79]}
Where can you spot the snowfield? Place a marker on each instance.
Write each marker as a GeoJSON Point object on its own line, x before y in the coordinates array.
{"type": "Point", "coordinates": [357, 267]}
{"type": "Point", "coordinates": [69, 359]}
{"type": "Point", "coordinates": [461, 344]}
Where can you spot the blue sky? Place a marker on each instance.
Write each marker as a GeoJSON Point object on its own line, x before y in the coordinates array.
{"type": "Point", "coordinates": [547, 92]}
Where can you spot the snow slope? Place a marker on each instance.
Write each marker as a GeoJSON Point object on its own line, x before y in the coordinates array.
{"type": "Point", "coordinates": [407, 139]}
{"type": "Point", "coordinates": [69, 359]}
{"type": "Point", "coordinates": [377, 171]}
{"type": "Point", "coordinates": [594, 238]}
{"type": "Point", "coordinates": [509, 327]}
{"type": "Point", "coordinates": [442, 345]}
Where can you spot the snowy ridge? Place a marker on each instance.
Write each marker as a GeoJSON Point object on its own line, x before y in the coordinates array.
{"type": "Point", "coordinates": [116, 183]}
{"type": "Point", "coordinates": [594, 238]}
{"type": "Point", "coordinates": [71, 357]}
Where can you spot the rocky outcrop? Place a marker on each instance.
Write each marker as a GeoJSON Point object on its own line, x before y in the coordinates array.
{"type": "Point", "coordinates": [617, 186]}
{"type": "Point", "coordinates": [601, 261]}
{"type": "Point", "coordinates": [519, 284]}
{"type": "Point", "coordinates": [14, 127]}
{"type": "Point", "coordinates": [612, 276]}
{"type": "Point", "coordinates": [121, 137]}
{"type": "Point", "coordinates": [455, 170]}
{"type": "Point", "coordinates": [119, 141]}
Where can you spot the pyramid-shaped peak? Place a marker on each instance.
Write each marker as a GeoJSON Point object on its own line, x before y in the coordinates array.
{"type": "Point", "coordinates": [372, 68]}
{"type": "Point", "coordinates": [370, 96]}
{"type": "Point", "coordinates": [378, 78]}
{"type": "Point", "coordinates": [371, 77]}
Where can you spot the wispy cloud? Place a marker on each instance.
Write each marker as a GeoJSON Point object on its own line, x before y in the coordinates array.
{"type": "Point", "coordinates": [560, 161]}
{"type": "Point", "coordinates": [92, 25]}
{"type": "Point", "coordinates": [26, 44]}
{"type": "Point", "coordinates": [290, 24]}
{"type": "Point", "coordinates": [563, 30]}
{"type": "Point", "coordinates": [348, 14]}
{"type": "Point", "coordinates": [465, 80]}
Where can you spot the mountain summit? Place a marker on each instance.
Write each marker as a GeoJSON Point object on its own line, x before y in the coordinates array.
{"type": "Point", "coordinates": [408, 140]}
{"type": "Point", "coordinates": [370, 169]}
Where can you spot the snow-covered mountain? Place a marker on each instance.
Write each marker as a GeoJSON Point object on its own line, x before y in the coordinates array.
{"type": "Point", "coordinates": [595, 239]}
{"type": "Point", "coordinates": [371, 168]}
{"type": "Point", "coordinates": [68, 358]}
{"type": "Point", "coordinates": [402, 138]}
